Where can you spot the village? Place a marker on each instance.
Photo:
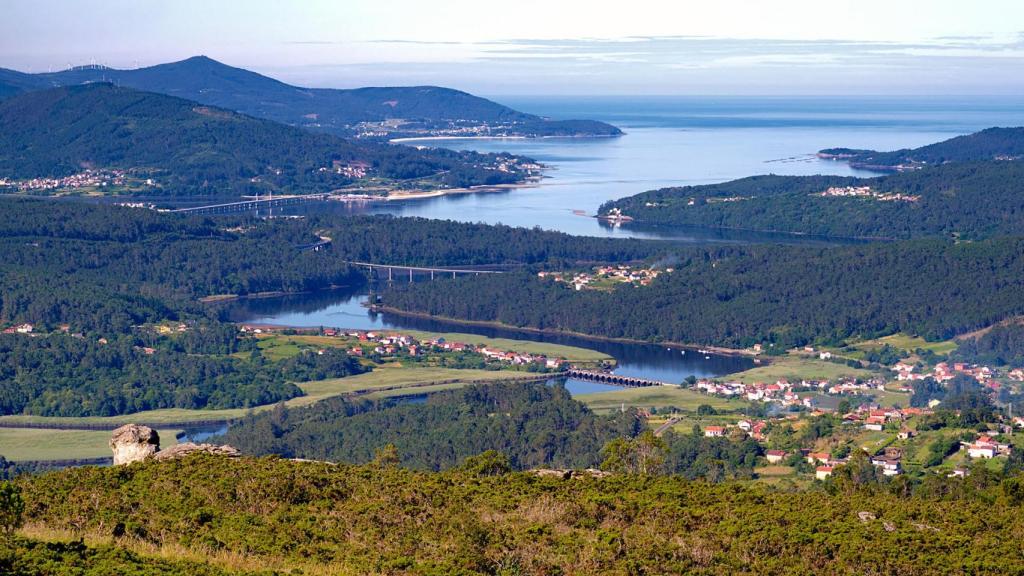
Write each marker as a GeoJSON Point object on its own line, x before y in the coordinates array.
{"type": "Point", "coordinates": [866, 192]}
{"type": "Point", "coordinates": [98, 178]}
{"type": "Point", "coordinates": [894, 435]}
{"type": "Point", "coordinates": [606, 277]}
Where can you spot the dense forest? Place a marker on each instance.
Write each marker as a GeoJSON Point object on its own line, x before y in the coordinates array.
{"type": "Point", "coordinates": [532, 425]}
{"type": "Point", "coordinates": [787, 295]}
{"type": "Point", "coordinates": [969, 200]}
{"type": "Point", "coordinates": [189, 149]}
{"type": "Point", "coordinates": [989, 144]}
{"type": "Point", "coordinates": [61, 375]}
{"type": "Point", "coordinates": [207, 514]}
{"type": "Point", "coordinates": [1003, 345]}
{"type": "Point", "coordinates": [336, 111]}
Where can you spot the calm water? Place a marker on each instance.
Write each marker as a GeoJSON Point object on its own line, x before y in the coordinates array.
{"type": "Point", "coordinates": [684, 141]}
{"type": "Point", "coordinates": [344, 309]}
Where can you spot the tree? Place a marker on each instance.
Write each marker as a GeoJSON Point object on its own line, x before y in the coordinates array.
{"type": "Point", "coordinates": [643, 455]}
{"type": "Point", "coordinates": [489, 463]}
{"type": "Point", "coordinates": [386, 456]}
{"type": "Point", "coordinates": [11, 509]}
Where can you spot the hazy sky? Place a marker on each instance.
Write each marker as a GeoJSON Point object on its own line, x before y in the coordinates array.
{"type": "Point", "coordinates": [549, 46]}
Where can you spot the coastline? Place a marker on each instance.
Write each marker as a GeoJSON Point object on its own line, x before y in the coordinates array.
{"type": "Point", "coordinates": [736, 352]}
{"type": "Point", "coordinates": [405, 139]}
{"type": "Point", "coordinates": [483, 188]}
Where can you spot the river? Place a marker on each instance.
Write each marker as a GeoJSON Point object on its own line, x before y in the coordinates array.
{"type": "Point", "coordinates": [343, 308]}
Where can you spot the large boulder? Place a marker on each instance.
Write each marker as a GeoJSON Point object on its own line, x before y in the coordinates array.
{"type": "Point", "coordinates": [132, 443]}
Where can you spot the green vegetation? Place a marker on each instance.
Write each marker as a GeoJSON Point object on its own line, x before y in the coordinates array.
{"type": "Point", "coordinates": [385, 378]}
{"type": "Point", "coordinates": [535, 425]}
{"type": "Point", "coordinates": [1002, 345]}
{"type": "Point", "coordinates": [192, 150]}
{"type": "Point", "coordinates": [271, 514]}
{"type": "Point", "coordinates": [966, 200]}
{"type": "Point", "coordinates": [781, 295]}
{"type": "Point", "coordinates": [794, 368]}
{"type": "Point", "coordinates": [990, 144]}
{"type": "Point", "coordinates": [660, 398]}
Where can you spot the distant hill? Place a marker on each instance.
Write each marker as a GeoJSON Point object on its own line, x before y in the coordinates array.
{"type": "Point", "coordinates": [967, 199]}
{"type": "Point", "coordinates": [990, 144]}
{"type": "Point", "coordinates": [187, 148]}
{"type": "Point", "coordinates": [366, 112]}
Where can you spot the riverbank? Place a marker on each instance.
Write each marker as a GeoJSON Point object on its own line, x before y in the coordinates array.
{"type": "Point", "coordinates": [721, 350]}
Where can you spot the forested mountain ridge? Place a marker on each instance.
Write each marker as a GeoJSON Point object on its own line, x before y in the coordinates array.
{"type": "Point", "coordinates": [989, 144]}
{"type": "Point", "coordinates": [190, 149]}
{"type": "Point", "coordinates": [738, 297]}
{"type": "Point", "coordinates": [979, 199]}
{"type": "Point", "coordinates": [411, 111]}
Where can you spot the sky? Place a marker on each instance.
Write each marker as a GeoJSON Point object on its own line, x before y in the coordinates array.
{"type": "Point", "coordinates": [622, 47]}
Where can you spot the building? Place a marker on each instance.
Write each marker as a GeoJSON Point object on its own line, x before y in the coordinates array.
{"type": "Point", "coordinates": [714, 432]}
{"type": "Point", "coordinates": [822, 472]}
{"type": "Point", "coordinates": [775, 456]}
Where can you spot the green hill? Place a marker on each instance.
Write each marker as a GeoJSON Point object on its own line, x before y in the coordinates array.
{"type": "Point", "coordinates": [990, 144]}
{"type": "Point", "coordinates": [977, 199]}
{"type": "Point", "coordinates": [192, 149]}
{"type": "Point", "coordinates": [409, 111]}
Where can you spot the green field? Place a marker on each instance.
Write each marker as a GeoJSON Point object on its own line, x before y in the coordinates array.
{"type": "Point", "coordinates": [42, 444]}
{"type": "Point", "coordinates": [657, 397]}
{"type": "Point", "coordinates": [908, 344]}
{"type": "Point", "coordinates": [795, 368]}
{"type": "Point", "coordinates": [280, 346]}
{"type": "Point", "coordinates": [382, 377]}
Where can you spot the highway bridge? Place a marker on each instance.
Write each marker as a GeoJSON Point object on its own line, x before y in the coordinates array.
{"type": "Point", "coordinates": [251, 204]}
{"type": "Point", "coordinates": [393, 270]}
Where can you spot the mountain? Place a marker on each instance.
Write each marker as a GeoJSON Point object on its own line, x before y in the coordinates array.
{"type": "Point", "coordinates": [184, 148]}
{"type": "Point", "coordinates": [367, 112]}
{"type": "Point", "coordinates": [990, 144]}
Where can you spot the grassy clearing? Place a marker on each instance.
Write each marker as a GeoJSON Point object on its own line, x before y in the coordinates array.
{"type": "Point", "coordinates": [657, 397]}
{"type": "Point", "coordinates": [387, 376]}
{"type": "Point", "coordinates": [775, 470]}
{"type": "Point", "coordinates": [794, 367]}
{"type": "Point", "coordinates": [908, 344]}
{"type": "Point", "coordinates": [45, 444]}
{"type": "Point", "coordinates": [280, 346]}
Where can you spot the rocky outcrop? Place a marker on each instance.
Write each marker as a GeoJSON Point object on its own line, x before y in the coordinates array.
{"type": "Point", "coordinates": [567, 474]}
{"type": "Point", "coordinates": [134, 443]}
{"type": "Point", "coordinates": [187, 448]}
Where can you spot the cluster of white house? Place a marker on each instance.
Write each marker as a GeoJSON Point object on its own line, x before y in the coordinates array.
{"type": "Point", "coordinates": [945, 371]}
{"type": "Point", "coordinates": [621, 273]}
{"type": "Point", "coordinates": [87, 179]}
{"type": "Point", "coordinates": [387, 344]}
